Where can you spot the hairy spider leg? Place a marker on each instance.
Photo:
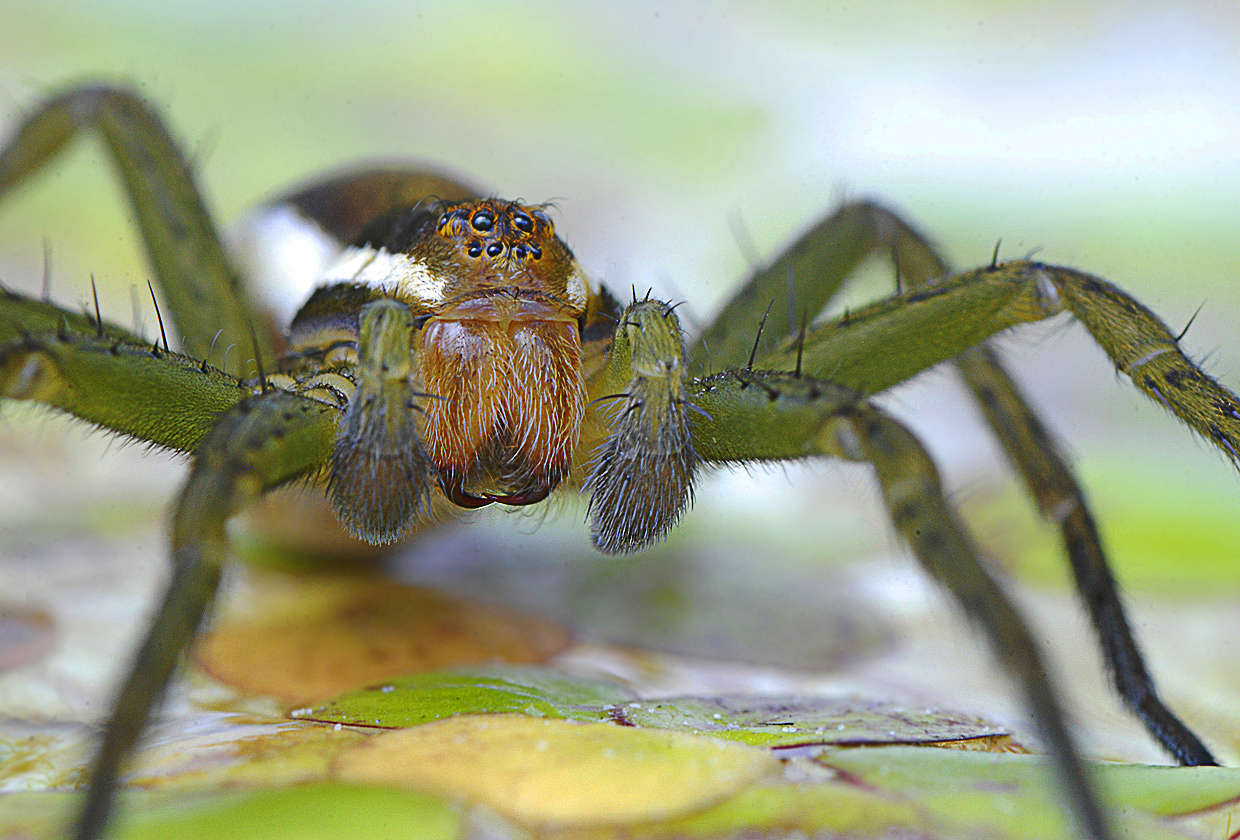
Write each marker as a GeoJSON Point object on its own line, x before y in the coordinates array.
{"type": "Point", "coordinates": [206, 300]}
{"type": "Point", "coordinates": [830, 251]}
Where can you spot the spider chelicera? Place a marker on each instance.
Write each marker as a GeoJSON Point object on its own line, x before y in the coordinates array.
{"type": "Point", "coordinates": [455, 355]}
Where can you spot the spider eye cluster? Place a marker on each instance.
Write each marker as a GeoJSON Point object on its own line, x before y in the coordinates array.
{"type": "Point", "coordinates": [497, 228]}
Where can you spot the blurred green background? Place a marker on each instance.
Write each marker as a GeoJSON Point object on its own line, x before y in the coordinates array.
{"type": "Point", "coordinates": [1101, 135]}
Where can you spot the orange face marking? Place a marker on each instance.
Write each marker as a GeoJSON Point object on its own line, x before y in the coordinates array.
{"type": "Point", "coordinates": [483, 248]}
{"type": "Point", "coordinates": [501, 354]}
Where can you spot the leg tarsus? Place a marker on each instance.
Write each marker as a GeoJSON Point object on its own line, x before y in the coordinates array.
{"type": "Point", "coordinates": [915, 499]}
{"type": "Point", "coordinates": [1144, 349]}
{"type": "Point", "coordinates": [257, 445]}
{"type": "Point", "coordinates": [798, 417]}
{"type": "Point", "coordinates": [195, 580]}
{"type": "Point", "coordinates": [1033, 453]}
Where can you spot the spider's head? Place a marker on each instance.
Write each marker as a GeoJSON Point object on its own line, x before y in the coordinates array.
{"type": "Point", "coordinates": [445, 255]}
{"type": "Point", "coordinates": [492, 247]}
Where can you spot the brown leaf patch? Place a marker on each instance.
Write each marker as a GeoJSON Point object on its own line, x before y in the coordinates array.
{"type": "Point", "coordinates": [343, 633]}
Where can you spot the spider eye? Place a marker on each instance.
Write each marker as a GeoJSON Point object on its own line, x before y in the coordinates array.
{"type": "Point", "coordinates": [523, 222]}
{"type": "Point", "coordinates": [494, 249]}
{"type": "Point", "coordinates": [443, 221]}
{"type": "Point", "coordinates": [535, 251]}
{"type": "Point", "coordinates": [483, 221]}
{"type": "Point", "coordinates": [475, 249]}
{"type": "Point", "coordinates": [519, 252]}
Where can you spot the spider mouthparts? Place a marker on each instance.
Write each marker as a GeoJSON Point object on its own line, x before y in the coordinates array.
{"type": "Point", "coordinates": [453, 488]}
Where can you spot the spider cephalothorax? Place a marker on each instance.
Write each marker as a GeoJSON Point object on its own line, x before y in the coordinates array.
{"type": "Point", "coordinates": [493, 384]}
{"type": "Point", "coordinates": [456, 348]}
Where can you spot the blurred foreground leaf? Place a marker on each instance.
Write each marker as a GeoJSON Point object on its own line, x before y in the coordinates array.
{"type": "Point", "coordinates": [968, 794]}
{"type": "Point", "coordinates": [318, 811]}
{"type": "Point", "coordinates": [338, 633]}
{"type": "Point", "coordinates": [25, 635]}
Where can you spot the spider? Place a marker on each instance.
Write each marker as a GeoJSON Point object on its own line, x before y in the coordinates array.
{"type": "Point", "coordinates": [456, 356]}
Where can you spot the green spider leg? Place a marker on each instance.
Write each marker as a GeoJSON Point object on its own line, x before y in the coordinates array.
{"type": "Point", "coordinates": [105, 375]}
{"type": "Point", "coordinates": [829, 253]}
{"type": "Point", "coordinates": [259, 444]}
{"type": "Point", "coordinates": [204, 296]}
{"type": "Point", "coordinates": [668, 424]}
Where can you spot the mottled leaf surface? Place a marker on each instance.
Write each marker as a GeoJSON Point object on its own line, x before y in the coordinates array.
{"type": "Point", "coordinates": [543, 771]}
{"type": "Point", "coordinates": [799, 721]}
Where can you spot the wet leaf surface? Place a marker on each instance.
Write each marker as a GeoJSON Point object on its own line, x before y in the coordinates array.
{"type": "Point", "coordinates": [556, 772]}
{"type": "Point", "coordinates": [793, 721]}
{"type": "Point", "coordinates": [339, 633]}
{"type": "Point", "coordinates": [273, 754]}
{"type": "Point", "coordinates": [542, 692]}
{"type": "Point", "coordinates": [559, 780]}
{"type": "Point", "coordinates": [949, 795]}
{"type": "Point", "coordinates": [1012, 796]}
{"type": "Point", "coordinates": [421, 698]}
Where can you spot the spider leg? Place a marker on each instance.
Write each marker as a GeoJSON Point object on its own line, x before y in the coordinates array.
{"type": "Point", "coordinates": [203, 293]}
{"type": "Point", "coordinates": [819, 263]}
{"type": "Point", "coordinates": [110, 378]}
{"type": "Point", "coordinates": [380, 476]}
{"type": "Point", "coordinates": [21, 316]}
{"type": "Point", "coordinates": [1034, 454]}
{"type": "Point", "coordinates": [664, 425]}
{"type": "Point", "coordinates": [262, 442]}
{"type": "Point", "coordinates": [244, 445]}
{"type": "Point", "coordinates": [641, 478]}
{"type": "Point", "coordinates": [758, 415]}
{"type": "Point", "coordinates": [947, 317]}
{"type": "Point", "coordinates": [882, 344]}
{"type": "Point", "coordinates": [1059, 497]}
{"type": "Point", "coordinates": [826, 255]}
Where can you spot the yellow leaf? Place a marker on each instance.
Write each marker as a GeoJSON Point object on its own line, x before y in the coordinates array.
{"type": "Point", "coordinates": [558, 772]}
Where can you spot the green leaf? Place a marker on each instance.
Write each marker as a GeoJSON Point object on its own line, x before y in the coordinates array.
{"type": "Point", "coordinates": [797, 721]}
{"type": "Point", "coordinates": [952, 794]}
{"type": "Point", "coordinates": [1015, 796]}
{"type": "Point", "coordinates": [421, 698]}
{"type": "Point", "coordinates": [319, 811]}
